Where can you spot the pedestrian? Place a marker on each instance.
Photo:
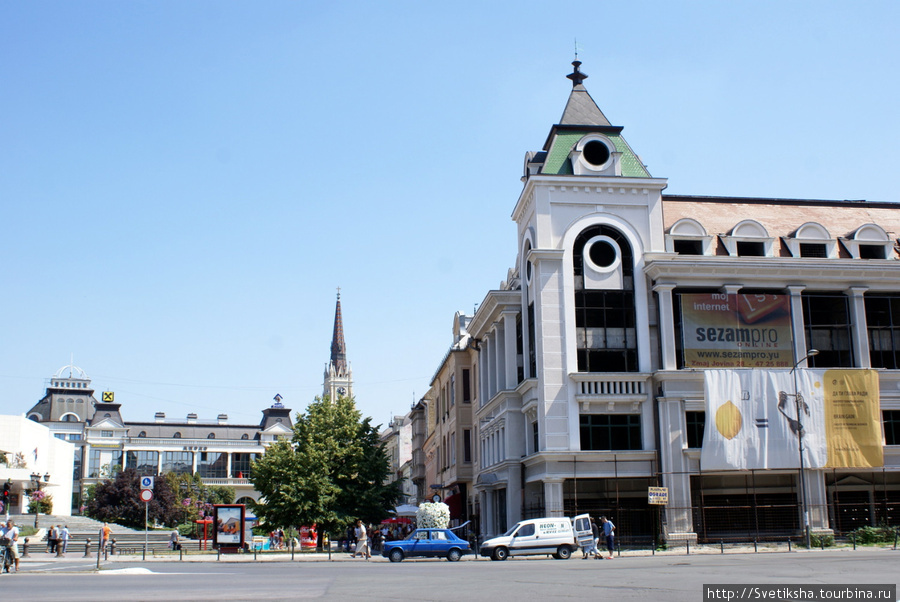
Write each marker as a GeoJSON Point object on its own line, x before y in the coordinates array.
{"type": "Point", "coordinates": [362, 541]}
{"type": "Point", "coordinates": [609, 532]}
{"type": "Point", "coordinates": [64, 538]}
{"type": "Point", "coordinates": [105, 532]}
{"type": "Point", "coordinates": [173, 540]}
{"type": "Point", "coordinates": [12, 532]}
{"type": "Point", "coordinates": [52, 537]}
{"type": "Point", "coordinates": [592, 550]}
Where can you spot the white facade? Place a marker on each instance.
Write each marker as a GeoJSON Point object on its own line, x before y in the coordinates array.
{"type": "Point", "coordinates": [584, 398]}
{"type": "Point", "coordinates": [31, 448]}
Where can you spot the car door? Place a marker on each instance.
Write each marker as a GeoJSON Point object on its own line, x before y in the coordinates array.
{"type": "Point", "coordinates": [525, 540]}
{"type": "Point", "coordinates": [583, 534]}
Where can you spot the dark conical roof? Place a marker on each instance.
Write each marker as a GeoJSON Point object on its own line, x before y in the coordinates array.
{"type": "Point", "coordinates": [338, 347]}
{"type": "Point", "coordinates": [581, 108]}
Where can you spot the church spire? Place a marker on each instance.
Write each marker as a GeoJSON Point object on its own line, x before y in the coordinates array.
{"type": "Point", "coordinates": [338, 376]}
{"type": "Point", "coordinates": [338, 347]}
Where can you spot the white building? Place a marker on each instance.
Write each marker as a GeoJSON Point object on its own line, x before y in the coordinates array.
{"type": "Point", "coordinates": [31, 451]}
{"type": "Point", "coordinates": [592, 387]}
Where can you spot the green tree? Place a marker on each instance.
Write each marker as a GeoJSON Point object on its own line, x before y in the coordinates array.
{"type": "Point", "coordinates": [194, 498]}
{"type": "Point", "coordinates": [118, 501]}
{"type": "Point", "coordinates": [331, 473]}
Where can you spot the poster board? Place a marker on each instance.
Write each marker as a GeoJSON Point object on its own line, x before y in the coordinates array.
{"type": "Point", "coordinates": [229, 525]}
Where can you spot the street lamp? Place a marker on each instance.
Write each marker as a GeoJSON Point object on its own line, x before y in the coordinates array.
{"type": "Point", "coordinates": [36, 484]}
{"type": "Point", "coordinates": [798, 400]}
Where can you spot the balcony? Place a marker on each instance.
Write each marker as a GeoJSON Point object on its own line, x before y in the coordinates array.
{"type": "Point", "coordinates": [610, 388]}
{"type": "Point", "coordinates": [191, 444]}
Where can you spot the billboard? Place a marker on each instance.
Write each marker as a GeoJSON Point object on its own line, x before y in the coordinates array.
{"type": "Point", "coordinates": [736, 331]}
{"type": "Point", "coordinates": [229, 521]}
{"type": "Point", "coordinates": [752, 419]}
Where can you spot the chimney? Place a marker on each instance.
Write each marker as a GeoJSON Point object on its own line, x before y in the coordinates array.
{"type": "Point", "coordinates": [223, 418]}
{"type": "Point", "coordinates": [160, 416]}
{"type": "Point", "coordinates": [191, 418]}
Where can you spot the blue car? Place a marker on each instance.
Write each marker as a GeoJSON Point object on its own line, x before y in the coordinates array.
{"type": "Point", "coordinates": [437, 543]}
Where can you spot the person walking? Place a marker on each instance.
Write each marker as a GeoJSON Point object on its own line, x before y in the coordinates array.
{"type": "Point", "coordinates": [609, 532]}
{"type": "Point", "coordinates": [105, 532]}
{"type": "Point", "coordinates": [64, 538]}
{"type": "Point", "coordinates": [52, 538]}
{"type": "Point", "coordinates": [362, 541]}
{"type": "Point", "coordinates": [12, 532]}
{"type": "Point", "coordinates": [592, 550]}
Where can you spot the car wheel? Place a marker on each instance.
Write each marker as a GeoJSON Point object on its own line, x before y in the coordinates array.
{"type": "Point", "coordinates": [501, 554]}
{"type": "Point", "coordinates": [396, 555]}
{"type": "Point", "coordinates": [564, 552]}
{"type": "Point", "coordinates": [454, 555]}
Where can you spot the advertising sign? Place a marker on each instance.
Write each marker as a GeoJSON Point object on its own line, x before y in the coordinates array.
{"type": "Point", "coordinates": [229, 521]}
{"type": "Point", "coordinates": [658, 496]}
{"type": "Point", "coordinates": [736, 331]}
{"type": "Point", "coordinates": [752, 419]}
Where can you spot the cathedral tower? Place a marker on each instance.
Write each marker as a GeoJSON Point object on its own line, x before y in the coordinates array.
{"type": "Point", "coordinates": [338, 376]}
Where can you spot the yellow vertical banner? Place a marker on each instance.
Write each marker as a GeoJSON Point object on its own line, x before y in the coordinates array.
{"type": "Point", "coordinates": [853, 418]}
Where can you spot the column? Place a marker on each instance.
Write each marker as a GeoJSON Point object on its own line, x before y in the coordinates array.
{"type": "Point", "coordinates": [666, 325]}
{"type": "Point", "coordinates": [859, 327]}
{"type": "Point", "coordinates": [553, 497]}
{"type": "Point", "coordinates": [509, 344]}
{"type": "Point", "coordinates": [228, 465]}
{"type": "Point", "coordinates": [797, 322]}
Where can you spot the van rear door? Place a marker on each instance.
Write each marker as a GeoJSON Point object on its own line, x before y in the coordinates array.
{"type": "Point", "coordinates": [583, 534]}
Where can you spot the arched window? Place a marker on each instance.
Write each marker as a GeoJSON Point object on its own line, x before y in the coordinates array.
{"type": "Point", "coordinates": [142, 434]}
{"type": "Point", "coordinates": [244, 437]}
{"type": "Point", "coordinates": [211, 436]}
{"type": "Point", "coordinates": [606, 337]}
{"type": "Point", "coordinates": [177, 435]}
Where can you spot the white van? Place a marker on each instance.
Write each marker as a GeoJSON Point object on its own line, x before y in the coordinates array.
{"type": "Point", "coordinates": [552, 535]}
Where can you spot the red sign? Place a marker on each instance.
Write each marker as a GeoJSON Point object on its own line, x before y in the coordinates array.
{"type": "Point", "coordinates": [146, 495]}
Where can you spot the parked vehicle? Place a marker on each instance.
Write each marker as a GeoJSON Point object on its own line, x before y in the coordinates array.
{"type": "Point", "coordinates": [552, 535]}
{"type": "Point", "coordinates": [436, 543]}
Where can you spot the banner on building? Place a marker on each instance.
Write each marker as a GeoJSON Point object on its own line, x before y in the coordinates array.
{"type": "Point", "coordinates": [657, 496]}
{"type": "Point", "coordinates": [752, 419]}
{"type": "Point", "coordinates": [736, 331]}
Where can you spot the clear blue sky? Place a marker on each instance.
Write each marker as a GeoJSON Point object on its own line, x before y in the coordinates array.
{"type": "Point", "coordinates": [185, 184]}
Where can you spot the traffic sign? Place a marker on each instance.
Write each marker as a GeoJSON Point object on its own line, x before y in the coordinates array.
{"type": "Point", "coordinates": [146, 495]}
{"type": "Point", "coordinates": [146, 482]}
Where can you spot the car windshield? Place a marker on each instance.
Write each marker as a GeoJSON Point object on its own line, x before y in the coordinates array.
{"type": "Point", "coordinates": [511, 530]}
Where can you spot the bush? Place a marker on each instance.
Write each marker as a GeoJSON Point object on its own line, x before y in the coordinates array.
{"type": "Point", "coordinates": [818, 541]}
{"type": "Point", "coordinates": [41, 502]}
{"type": "Point", "coordinates": [872, 535]}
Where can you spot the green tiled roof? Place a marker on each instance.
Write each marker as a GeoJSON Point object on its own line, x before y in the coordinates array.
{"type": "Point", "coordinates": [557, 162]}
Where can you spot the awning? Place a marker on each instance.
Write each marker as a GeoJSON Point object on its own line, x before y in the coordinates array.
{"type": "Point", "coordinates": [406, 510]}
{"type": "Point", "coordinates": [455, 503]}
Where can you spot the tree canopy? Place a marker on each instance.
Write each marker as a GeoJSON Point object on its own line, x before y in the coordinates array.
{"type": "Point", "coordinates": [118, 501]}
{"type": "Point", "coordinates": [331, 473]}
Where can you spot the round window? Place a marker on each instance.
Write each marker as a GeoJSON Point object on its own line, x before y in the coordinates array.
{"type": "Point", "coordinates": [596, 153]}
{"type": "Point", "coordinates": [602, 253]}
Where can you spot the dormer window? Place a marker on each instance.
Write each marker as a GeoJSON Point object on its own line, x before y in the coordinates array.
{"type": "Point", "coordinates": [688, 237]}
{"type": "Point", "coordinates": [142, 434]}
{"type": "Point", "coordinates": [748, 239]}
{"type": "Point", "coordinates": [177, 435]}
{"type": "Point", "coordinates": [811, 240]}
{"type": "Point", "coordinates": [870, 242]}
{"type": "Point", "coordinates": [595, 155]}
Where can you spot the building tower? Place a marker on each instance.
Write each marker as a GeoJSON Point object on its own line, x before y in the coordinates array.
{"type": "Point", "coordinates": [338, 376]}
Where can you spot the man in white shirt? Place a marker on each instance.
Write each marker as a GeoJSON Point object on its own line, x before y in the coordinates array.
{"type": "Point", "coordinates": [64, 538]}
{"type": "Point", "coordinates": [12, 532]}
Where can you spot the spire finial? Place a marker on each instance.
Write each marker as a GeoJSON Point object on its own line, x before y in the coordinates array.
{"type": "Point", "coordinates": [577, 76]}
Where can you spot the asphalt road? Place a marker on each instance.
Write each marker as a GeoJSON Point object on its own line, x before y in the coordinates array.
{"type": "Point", "coordinates": [623, 579]}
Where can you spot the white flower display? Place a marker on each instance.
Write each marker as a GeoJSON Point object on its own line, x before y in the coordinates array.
{"type": "Point", "coordinates": [433, 515]}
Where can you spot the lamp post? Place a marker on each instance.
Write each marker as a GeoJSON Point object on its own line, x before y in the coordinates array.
{"type": "Point", "coordinates": [36, 484]}
{"type": "Point", "coordinates": [804, 502]}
